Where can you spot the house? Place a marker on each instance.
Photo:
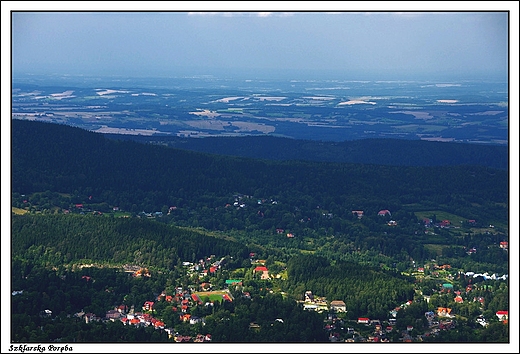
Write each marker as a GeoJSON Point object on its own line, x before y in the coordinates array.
{"type": "Point", "coordinates": [384, 212]}
{"type": "Point", "coordinates": [504, 245]}
{"type": "Point", "coordinates": [363, 320]}
{"type": "Point", "coordinates": [445, 223]}
{"type": "Point", "coordinates": [264, 270]}
{"type": "Point", "coordinates": [447, 286]}
{"type": "Point", "coordinates": [89, 317]}
{"type": "Point", "coordinates": [113, 314]}
{"type": "Point", "coordinates": [502, 315]}
{"type": "Point", "coordinates": [280, 231]}
{"type": "Point", "coordinates": [233, 282]}
{"type": "Point", "coordinates": [159, 324]}
{"type": "Point", "coordinates": [195, 320]}
{"type": "Point", "coordinates": [444, 312]}
{"type": "Point", "coordinates": [338, 306]}
{"type": "Point", "coordinates": [358, 213]}
{"type": "Point", "coordinates": [310, 306]}
{"type": "Point", "coordinates": [148, 305]}
{"type": "Point", "coordinates": [459, 299]}
{"type": "Point", "coordinates": [46, 313]}
{"type": "Point", "coordinates": [196, 298]}
{"type": "Point", "coordinates": [309, 296]}
{"type": "Point", "coordinates": [290, 235]}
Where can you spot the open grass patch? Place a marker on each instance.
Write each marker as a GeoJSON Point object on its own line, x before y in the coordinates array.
{"type": "Point", "coordinates": [434, 248]}
{"type": "Point", "coordinates": [122, 214]}
{"type": "Point", "coordinates": [455, 220]}
{"type": "Point", "coordinates": [213, 296]}
{"type": "Point", "coordinates": [18, 211]}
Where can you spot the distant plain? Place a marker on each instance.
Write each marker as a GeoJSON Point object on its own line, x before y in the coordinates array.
{"type": "Point", "coordinates": [327, 110]}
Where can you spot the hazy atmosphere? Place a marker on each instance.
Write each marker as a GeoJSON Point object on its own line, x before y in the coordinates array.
{"type": "Point", "coordinates": [386, 45]}
{"type": "Point", "coordinates": [282, 172]}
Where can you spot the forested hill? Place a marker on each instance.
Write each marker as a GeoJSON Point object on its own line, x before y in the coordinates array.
{"type": "Point", "coordinates": [371, 151]}
{"type": "Point", "coordinates": [139, 177]}
{"type": "Point", "coordinates": [61, 239]}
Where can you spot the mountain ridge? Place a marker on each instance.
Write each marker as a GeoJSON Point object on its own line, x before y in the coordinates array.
{"type": "Point", "coordinates": [395, 152]}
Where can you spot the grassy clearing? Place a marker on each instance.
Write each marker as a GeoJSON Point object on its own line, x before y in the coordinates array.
{"type": "Point", "coordinates": [441, 215]}
{"type": "Point", "coordinates": [18, 211]}
{"type": "Point", "coordinates": [121, 214]}
{"type": "Point", "coordinates": [213, 295]}
{"type": "Point", "coordinates": [435, 248]}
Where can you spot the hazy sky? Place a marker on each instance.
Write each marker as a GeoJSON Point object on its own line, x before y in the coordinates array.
{"type": "Point", "coordinates": [349, 44]}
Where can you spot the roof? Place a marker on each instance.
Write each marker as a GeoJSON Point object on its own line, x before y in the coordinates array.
{"type": "Point", "coordinates": [502, 312]}
{"type": "Point", "coordinates": [261, 269]}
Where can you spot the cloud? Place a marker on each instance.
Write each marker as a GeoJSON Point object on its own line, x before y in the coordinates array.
{"type": "Point", "coordinates": [242, 14]}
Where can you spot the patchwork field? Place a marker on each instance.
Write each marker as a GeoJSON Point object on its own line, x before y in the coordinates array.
{"type": "Point", "coordinates": [354, 110]}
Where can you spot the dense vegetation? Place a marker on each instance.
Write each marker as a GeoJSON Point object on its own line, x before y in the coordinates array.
{"type": "Point", "coordinates": [87, 200]}
{"type": "Point", "coordinates": [61, 239]}
{"type": "Point", "coordinates": [139, 177]}
{"type": "Point", "coordinates": [366, 151]}
{"type": "Point", "coordinates": [367, 292]}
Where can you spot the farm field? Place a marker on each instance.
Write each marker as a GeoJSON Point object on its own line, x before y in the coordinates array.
{"type": "Point", "coordinates": [466, 112]}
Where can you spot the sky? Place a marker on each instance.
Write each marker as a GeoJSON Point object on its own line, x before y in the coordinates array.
{"type": "Point", "coordinates": [318, 43]}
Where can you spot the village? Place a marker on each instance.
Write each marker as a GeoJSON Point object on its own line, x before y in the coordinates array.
{"type": "Point", "coordinates": [183, 302]}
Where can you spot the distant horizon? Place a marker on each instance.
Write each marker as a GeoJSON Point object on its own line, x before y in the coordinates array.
{"type": "Point", "coordinates": [273, 75]}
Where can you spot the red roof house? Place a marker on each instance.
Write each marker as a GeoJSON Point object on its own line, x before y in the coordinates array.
{"type": "Point", "coordinates": [502, 315]}
{"type": "Point", "coordinates": [148, 305]}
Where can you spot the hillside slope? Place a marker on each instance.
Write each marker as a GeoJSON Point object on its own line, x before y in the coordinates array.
{"type": "Point", "coordinates": [395, 152]}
